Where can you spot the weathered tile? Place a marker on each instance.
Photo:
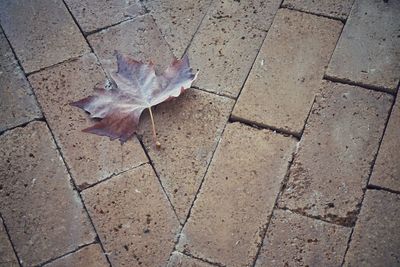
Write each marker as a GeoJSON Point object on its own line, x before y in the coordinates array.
{"type": "Point", "coordinates": [180, 260]}
{"type": "Point", "coordinates": [189, 128]}
{"type": "Point", "coordinates": [139, 38]}
{"type": "Point", "coordinates": [17, 103]}
{"type": "Point", "coordinates": [295, 240]}
{"type": "Point", "coordinates": [91, 158]}
{"type": "Point", "coordinates": [376, 237]}
{"type": "Point", "coordinates": [93, 15]}
{"type": "Point", "coordinates": [42, 33]}
{"type": "Point", "coordinates": [339, 9]}
{"type": "Point", "coordinates": [368, 52]}
{"type": "Point", "coordinates": [178, 20]}
{"type": "Point", "coordinates": [288, 71]}
{"type": "Point", "coordinates": [227, 42]}
{"type": "Point", "coordinates": [386, 171]}
{"type": "Point", "coordinates": [237, 196]}
{"type": "Point", "coordinates": [89, 256]}
{"type": "Point", "coordinates": [335, 154]}
{"type": "Point", "coordinates": [34, 184]}
{"type": "Point", "coordinates": [134, 220]}
{"type": "Point", "coordinates": [7, 255]}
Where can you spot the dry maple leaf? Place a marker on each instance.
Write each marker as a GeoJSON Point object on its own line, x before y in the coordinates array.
{"type": "Point", "coordinates": [137, 87]}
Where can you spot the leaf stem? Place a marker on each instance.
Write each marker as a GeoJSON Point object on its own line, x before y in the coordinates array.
{"type": "Point", "coordinates": [158, 145]}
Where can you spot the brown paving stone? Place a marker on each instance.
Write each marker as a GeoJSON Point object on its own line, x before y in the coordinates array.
{"type": "Point", "coordinates": [93, 15]}
{"type": "Point", "coordinates": [376, 237]}
{"type": "Point", "coordinates": [238, 196]}
{"type": "Point", "coordinates": [178, 20]}
{"type": "Point", "coordinates": [180, 260]}
{"type": "Point", "coordinates": [386, 171]}
{"type": "Point", "coordinates": [335, 154]}
{"type": "Point", "coordinates": [7, 255]}
{"type": "Point", "coordinates": [288, 71]}
{"type": "Point", "coordinates": [34, 186]}
{"type": "Point", "coordinates": [188, 128]}
{"type": "Point", "coordinates": [139, 38]}
{"type": "Point", "coordinates": [91, 158]}
{"type": "Point", "coordinates": [89, 256]}
{"type": "Point", "coordinates": [42, 33]}
{"type": "Point", "coordinates": [17, 103]}
{"type": "Point", "coordinates": [227, 42]}
{"type": "Point", "coordinates": [368, 51]}
{"type": "Point", "coordinates": [339, 9]}
{"type": "Point", "coordinates": [134, 220]}
{"type": "Point", "coordinates": [295, 240]}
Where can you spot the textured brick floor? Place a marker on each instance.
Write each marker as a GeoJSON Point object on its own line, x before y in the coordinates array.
{"type": "Point", "coordinates": [284, 153]}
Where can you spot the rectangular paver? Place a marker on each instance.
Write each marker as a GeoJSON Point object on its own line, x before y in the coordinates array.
{"type": "Point", "coordinates": [43, 214]}
{"type": "Point", "coordinates": [227, 42]}
{"type": "Point", "coordinates": [188, 128]}
{"type": "Point", "coordinates": [376, 237]}
{"type": "Point", "coordinates": [295, 240]}
{"type": "Point", "coordinates": [237, 196]}
{"type": "Point", "coordinates": [288, 71]}
{"type": "Point", "coordinates": [386, 171]}
{"type": "Point", "coordinates": [133, 217]}
{"type": "Point", "coordinates": [178, 20]}
{"type": "Point", "coordinates": [89, 256]}
{"type": "Point", "coordinates": [368, 52]}
{"type": "Point", "coordinates": [336, 151]}
{"type": "Point", "coordinates": [42, 33]}
{"type": "Point", "coordinates": [91, 158]}
{"type": "Point", "coordinates": [7, 255]}
{"type": "Point", "coordinates": [180, 260]}
{"type": "Point", "coordinates": [339, 9]}
{"type": "Point", "coordinates": [17, 103]}
{"type": "Point", "coordinates": [140, 38]}
{"type": "Point", "coordinates": [92, 15]}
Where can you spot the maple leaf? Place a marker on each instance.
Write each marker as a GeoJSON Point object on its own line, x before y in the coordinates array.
{"type": "Point", "coordinates": [137, 87]}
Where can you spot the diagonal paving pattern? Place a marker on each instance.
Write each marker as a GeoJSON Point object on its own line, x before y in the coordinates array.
{"type": "Point", "coordinates": [284, 153]}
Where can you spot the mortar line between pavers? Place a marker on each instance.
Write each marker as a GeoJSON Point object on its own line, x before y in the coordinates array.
{"type": "Point", "coordinates": [198, 27]}
{"type": "Point", "coordinates": [360, 84]}
{"type": "Point", "coordinates": [262, 126]}
{"type": "Point", "coordinates": [266, 225]}
{"type": "Point", "coordinates": [9, 239]}
{"type": "Point", "coordinates": [318, 218]}
{"type": "Point", "coordinates": [66, 254]}
{"type": "Point", "coordinates": [371, 168]}
{"type": "Point", "coordinates": [87, 34]}
{"type": "Point", "coordinates": [150, 162]}
{"type": "Point", "coordinates": [22, 125]}
{"type": "Point", "coordinates": [111, 176]}
{"type": "Point", "coordinates": [214, 93]}
{"type": "Point", "coordinates": [380, 188]}
{"type": "Point", "coordinates": [202, 259]}
{"type": "Point", "coordinates": [313, 13]}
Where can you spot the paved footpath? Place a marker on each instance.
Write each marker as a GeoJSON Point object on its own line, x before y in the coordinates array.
{"type": "Point", "coordinates": [284, 153]}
